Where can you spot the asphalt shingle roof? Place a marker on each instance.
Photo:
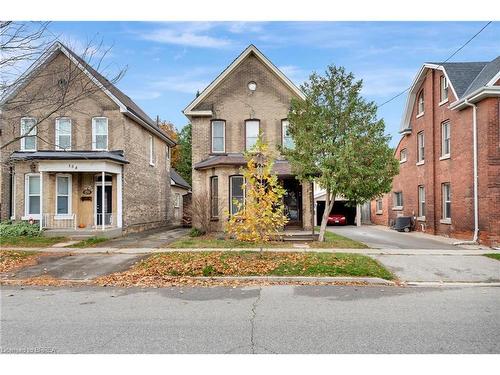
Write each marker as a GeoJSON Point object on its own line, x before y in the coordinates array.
{"type": "Point", "coordinates": [178, 180]}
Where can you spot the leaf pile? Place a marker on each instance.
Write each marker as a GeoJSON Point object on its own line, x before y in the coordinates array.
{"type": "Point", "coordinates": [11, 260]}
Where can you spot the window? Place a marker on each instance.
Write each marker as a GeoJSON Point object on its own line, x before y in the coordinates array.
{"type": "Point", "coordinates": [287, 140]}
{"type": "Point", "coordinates": [443, 84]}
{"type": "Point", "coordinates": [29, 130]}
{"type": "Point", "coordinates": [420, 147]}
{"type": "Point", "coordinates": [177, 200]}
{"type": "Point", "coordinates": [378, 206]}
{"type": "Point", "coordinates": [446, 196]}
{"type": "Point", "coordinates": [236, 193]}
{"type": "Point", "coordinates": [214, 196]}
{"type": "Point", "coordinates": [152, 153]}
{"type": "Point", "coordinates": [445, 138]}
{"type": "Point", "coordinates": [63, 134]}
{"type": "Point", "coordinates": [421, 201]}
{"type": "Point", "coordinates": [420, 103]}
{"type": "Point", "coordinates": [100, 133]}
{"type": "Point", "coordinates": [252, 133]}
{"type": "Point", "coordinates": [218, 136]}
{"type": "Point", "coordinates": [32, 195]}
{"type": "Point", "coordinates": [403, 155]}
{"type": "Point", "coordinates": [398, 199]}
{"type": "Point", "coordinates": [167, 152]}
{"type": "Point", "coordinates": [63, 191]}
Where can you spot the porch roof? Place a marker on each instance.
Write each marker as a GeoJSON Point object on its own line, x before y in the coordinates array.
{"type": "Point", "coordinates": [280, 167]}
{"type": "Point", "coordinates": [116, 156]}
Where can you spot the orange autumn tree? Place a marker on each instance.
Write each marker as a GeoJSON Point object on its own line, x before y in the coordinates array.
{"type": "Point", "coordinates": [261, 216]}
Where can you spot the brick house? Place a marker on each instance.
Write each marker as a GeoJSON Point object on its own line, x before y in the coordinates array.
{"type": "Point", "coordinates": [450, 134]}
{"type": "Point", "coordinates": [98, 166]}
{"type": "Point", "coordinates": [181, 190]}
{"type": "Point", "coordinates": [251, 94]}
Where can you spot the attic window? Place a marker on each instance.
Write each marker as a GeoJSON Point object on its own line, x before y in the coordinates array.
{"type": "Point", "coordinates": [252, 86]}
{"type": "Point", "coordinates": [62, 83]}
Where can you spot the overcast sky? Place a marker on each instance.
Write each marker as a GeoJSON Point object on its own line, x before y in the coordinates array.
{"type": "Point", "coordinates": [168, 62]}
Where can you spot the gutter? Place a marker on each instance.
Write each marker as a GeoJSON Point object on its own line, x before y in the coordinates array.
{"type": "Point", "coordinates": [476, 205]}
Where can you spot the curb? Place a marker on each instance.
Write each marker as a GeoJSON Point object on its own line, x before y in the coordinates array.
{"type": "Point", "coordinates": [447, 284]}
{"type": "Point", "coordinates": [303, 279]}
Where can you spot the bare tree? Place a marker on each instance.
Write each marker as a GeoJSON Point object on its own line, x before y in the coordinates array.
{"type": "Point", "coordinates": [28, 46]}
{"type": "Point", "coordinates": [201, 211]}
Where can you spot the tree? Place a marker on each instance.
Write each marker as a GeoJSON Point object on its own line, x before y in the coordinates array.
{"type": "Point", "coordinates": [172, 133]}
{"type": "Point", "coordinates": [184, 163]}
{"type": "Point", "coordinates": [23, 43]}
{"type": "Point", "coordinates": [261, 216]}
{"type": "Point", "coordinates": [339, 142]}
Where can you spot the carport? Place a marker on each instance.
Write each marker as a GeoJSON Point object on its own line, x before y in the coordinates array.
{"type": "Point", "coordinates": [346, 208]}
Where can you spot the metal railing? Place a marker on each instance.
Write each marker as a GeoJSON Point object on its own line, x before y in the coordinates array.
{"type": "Point", "coordinates": [55, 221]}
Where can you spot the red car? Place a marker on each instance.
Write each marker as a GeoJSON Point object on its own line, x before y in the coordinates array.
{"type": "Point", "coordinates": [336, 219]}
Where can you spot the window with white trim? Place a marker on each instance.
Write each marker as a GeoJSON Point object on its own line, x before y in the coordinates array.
{"type": "Point", "coordinates": [421, 201]}
{"type": "Point", "coordinates": [287, 140]}
{"type": "Point", "coordinates": [398, 199]}
{"type": "Point", "coordinates": [32, 194]}
{"type": "Point", "coordinates": [100, 133]}
{"type": "Point", "coordinates": [152, 153]}
{"type": "Point", "coordinates": [63, 133]}
{"type": "Point", "coordinates": [251, 133]}
{"type": "Point", "coordinates": [177, 200]}
{"type": "Point", "coordinates": [403, 155]}
{"type": "Point", "coordinates": [443, 84]}
{"type": "Point", "coordinates": [63, 192]}
{"type": "Point", "coordinates": [420, 147]}
{"type": "Point", "coordinates": [236, 193]}
{"type": "Point", "coordinates": [420, 103]}
{"type": "Point", "coordinates": [28, 134]}
{"type": "Point", "coordinates": [446, 198]}
{"type": "Point", "coordinates": [378, 206]}
{"type": "Point", "coordinates": [218, 136]}
{"type": "Point", "coordinates": [445, 138]}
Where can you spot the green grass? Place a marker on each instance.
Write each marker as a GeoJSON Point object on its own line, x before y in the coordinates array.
{"type": "Point", "coordinates": [250, 263]}
{"type": "Point", "coordinates": [24, 241]}
{"type": "Point", "coordinates": [337, 241]}
{"type": "Point", "coordinates": [89, 242]}
{"type": "Point", "coordinates": [493, 256]}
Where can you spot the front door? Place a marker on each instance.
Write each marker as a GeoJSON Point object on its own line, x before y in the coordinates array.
{"type": "Point", "coordinates": [107, 204]}
{"type": "Point", "coordinates": [293, 202]}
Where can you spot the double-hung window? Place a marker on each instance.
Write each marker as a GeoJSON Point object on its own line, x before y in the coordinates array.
{"type": "Point", "coordinates": [218, 136]}
{"type": "Point", "coordinates": [420, 147]}
{"type": "Point", "coordinates": [421, 201]}
{"type": "Point", "coordinates": [398, 199]}
{"type": "Point", "coordinates": [214, 197]}
{"type": "Point", "coordinates": [443, 85]}
{"type": "Point", "coordinates": [403, 155]}
{"type": "Point", "coordinates": [445, 139]}
{"type": "Point", "coordinates": [63, 199]}
{"type": "Point", "coordinates": [251, 133]}
{"type": "Point", "coordinates": [32, 195]}
{"type": "Point", "coordinates": [100, 133]}
{"type": "Point", "coordinates": [28, 134]}
{"type": "Point", "coordinates": [287, 140]}
{"type": "Point", "coordinates": [63, 133]}
{"type": "Point", "coordinates": [236, 193]}
{"type": "Point", "coordinates": [420, 103]}
{"type": "Point", "coordinates": [378, 206]}
{"type": "Point", "coordinates": [446, 197]}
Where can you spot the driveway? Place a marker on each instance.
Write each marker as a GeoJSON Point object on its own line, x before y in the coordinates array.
{"type": "Point", "coordinates": [378, 237]}
{"type": "Point", "coordinates": [148, 239]}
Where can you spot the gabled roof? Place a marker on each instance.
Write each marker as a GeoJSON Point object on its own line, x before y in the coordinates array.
{"type": "Point", "coordinates": [177, 180]}
{"type": "Point", "coordinates": [251, 49]}
{"type": "Point", "coordinates": [464, 78]}
{"type": "Point", "coordinates": [126, 104]}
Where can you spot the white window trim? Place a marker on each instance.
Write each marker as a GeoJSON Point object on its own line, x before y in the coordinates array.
{"type": "Point", "coordinates": [283, 122]}
{"type": "Point", "coordinates": [421, 218]}
{"type": "Point", "coordinates": [420, 202]}
{"type": "Point", "coordinates": [377, 211]}
{"type": "Point", "coordinates": [151, 150]}
{"type": "Point", "coordinates": [94, 135]}
{"type": "Point", "coordinates": [420, 158]}
{"type": "Point", "coordinates": [401, 161]}
{"type": "Point", "coordinates": [445, 220]}
{"type": "Point", "coordinates": [70, 133]}
{"type": "Point", "coordinates": [443, 102]}
{"type": "Point", "coordinates": [397, 208]}
{"type": "Point", "coordinates": [420, 114]}
{"type": "Point", "coordinates": [223, 137]}
{"type": "Point", "coordinates": [23, 139]}
{"type": "Point", "coordinates": [27, 216]}
{"type": "Point", "coordinates": [70, 193]}
{"type": "Point", "coordinates": [443, 79]}
{"type": "Point", "coordinates": [447, 155]}
{"type": "Point", "coordinates": [246, 131]}
{"type": "Point", "coordinates": [14, 200]}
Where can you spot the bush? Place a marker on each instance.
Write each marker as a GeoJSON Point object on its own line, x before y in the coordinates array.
{"type": "Point", "coordinates": [9, 229]}
{"type": "Point", "coordinates": [195, 232]}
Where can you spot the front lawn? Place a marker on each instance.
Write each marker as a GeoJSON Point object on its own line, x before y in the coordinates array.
{"type": "Point", "coordinates": [337, 241]}
{"type": "Point", "coordinates": [26, 241]}
{"type": "Point", "coordinates": [493, 256]}
{"type": "Point", "coordinates": [10, 260]}
{"type": "Point", "coordinates": [250, 263]}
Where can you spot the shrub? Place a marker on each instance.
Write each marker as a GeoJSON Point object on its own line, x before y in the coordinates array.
{"type": "Point", "coordinates": [195, 232]}
{"type": "Point", "coordinates": [25, 229]}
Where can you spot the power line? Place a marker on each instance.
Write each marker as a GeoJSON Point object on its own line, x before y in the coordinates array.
{"type": "Point", "coordinates": [453, 54]}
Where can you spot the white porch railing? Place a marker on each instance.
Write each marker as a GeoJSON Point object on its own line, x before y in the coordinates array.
{"type": "Point", "coordinates": [53, 221]}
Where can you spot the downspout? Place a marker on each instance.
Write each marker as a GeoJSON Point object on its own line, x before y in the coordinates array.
{"type": "Point", "coordinates": [476, 205]}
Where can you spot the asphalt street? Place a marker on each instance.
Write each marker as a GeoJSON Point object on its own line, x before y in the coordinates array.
{"type": "Point", "coordinates": [268, 319]}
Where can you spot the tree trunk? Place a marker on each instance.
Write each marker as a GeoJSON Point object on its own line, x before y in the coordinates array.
{"type": "Point", "coordinates": [330, 200]}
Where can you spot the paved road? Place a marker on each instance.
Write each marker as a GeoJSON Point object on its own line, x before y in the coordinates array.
{"type": "Point", "coordinates": [380, 238]}
{"type": "Point", "coordinates": [277, 319]}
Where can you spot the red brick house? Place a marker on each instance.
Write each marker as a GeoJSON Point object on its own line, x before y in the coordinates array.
{"type": "Point", "coordinates": [449, 153]}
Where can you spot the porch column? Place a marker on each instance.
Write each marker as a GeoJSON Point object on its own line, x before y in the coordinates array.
{"type": "Point", "coordinates": [119, 216]}
{"type": "Point", "coordinates": [41, 201]}
{"type": "Point", "coordinates": [103, 205]}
